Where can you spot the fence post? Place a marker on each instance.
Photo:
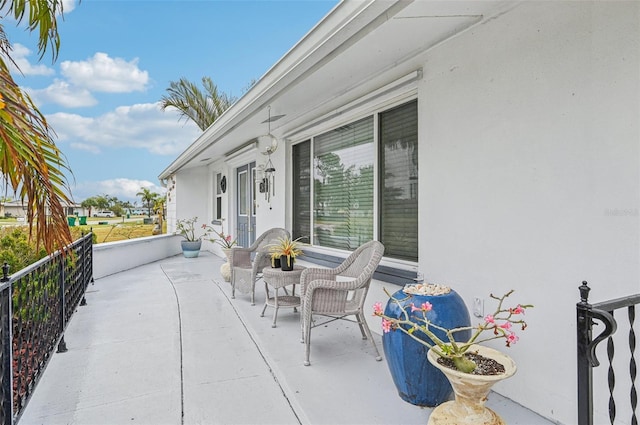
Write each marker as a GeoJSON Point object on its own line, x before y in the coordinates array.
{"type": "Point", "coordinates": [83, 270]}
{"type": "Point", "coordinates": [585, 371]}
{"type": "Point", "coordinates": [62, 345]}
{"type": "Point", "coordinates": [6, 410]}
{"type": "Point", "coordinates": [83, 255]}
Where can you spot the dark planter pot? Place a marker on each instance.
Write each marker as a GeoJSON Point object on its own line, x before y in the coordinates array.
{"type": "Point", "coordinates": [275, 263]}
{"type": "Point", "coordinates": [418, 382]}
{"type": "Point", "coordinates": [286, 263]}
{"type": "Point", "coordinates": [191, 249]}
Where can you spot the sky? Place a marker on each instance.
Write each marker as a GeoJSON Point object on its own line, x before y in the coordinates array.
{"type": "Point", "coordinates": [117, 58]}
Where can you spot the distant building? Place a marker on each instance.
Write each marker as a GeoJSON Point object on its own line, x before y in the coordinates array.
{"type": "Point", "coordinates": [18, 209]}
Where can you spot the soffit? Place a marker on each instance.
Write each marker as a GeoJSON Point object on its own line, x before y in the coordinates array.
{"type": "Point", "coordinates": [392, 45]}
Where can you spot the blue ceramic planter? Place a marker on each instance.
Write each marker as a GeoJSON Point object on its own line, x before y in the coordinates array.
{"type": "Point", "coordinates": [190, 249]}
{"type": "Point", "coordinates": [418, 382]}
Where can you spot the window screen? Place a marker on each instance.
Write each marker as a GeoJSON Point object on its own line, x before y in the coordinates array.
{"type": "Point", "coordinates": [399, 181]}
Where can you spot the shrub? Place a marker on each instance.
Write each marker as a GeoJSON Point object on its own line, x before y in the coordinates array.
{"type": "Point", "coordinates": [16, 249]}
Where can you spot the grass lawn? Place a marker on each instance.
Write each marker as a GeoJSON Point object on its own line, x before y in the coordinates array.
{"type": "Point", "coordinates": [117, 231]}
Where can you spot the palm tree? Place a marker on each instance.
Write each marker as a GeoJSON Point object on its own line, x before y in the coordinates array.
{"type": "Point", "coordinates": [148, 197]}
{"type": "Point", "coordinates": [89, 203]}
{"type": "Point", "coordinates": [203, 107]}
{"type": "Point", "coordinates": [30, 162]}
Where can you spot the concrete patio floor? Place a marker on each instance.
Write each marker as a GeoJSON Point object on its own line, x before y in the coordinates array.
{"type": "Point", "coordinates": [164, 343]}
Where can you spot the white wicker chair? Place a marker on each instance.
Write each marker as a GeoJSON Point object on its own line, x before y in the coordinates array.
{"type": "Point", "coordinates": [323, 295]}
{"type": "Point", "coordinates": [247, 263]}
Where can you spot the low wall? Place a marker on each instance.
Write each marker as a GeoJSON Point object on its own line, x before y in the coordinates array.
{"type": "Point", "coordinates": [114, 257]}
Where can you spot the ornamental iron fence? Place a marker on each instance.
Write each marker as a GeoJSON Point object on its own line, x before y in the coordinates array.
{"type": "Point", "coordinates": [604, 313]}
{"type": "Point", "coordinates": [36, 304]}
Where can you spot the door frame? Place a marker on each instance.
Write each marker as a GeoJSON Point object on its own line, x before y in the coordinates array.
{"type": "Point", "coordinates": [245, 213]}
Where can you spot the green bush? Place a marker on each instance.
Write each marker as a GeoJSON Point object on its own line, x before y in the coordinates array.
{"type": "Point", "coordinates": [16, 249]}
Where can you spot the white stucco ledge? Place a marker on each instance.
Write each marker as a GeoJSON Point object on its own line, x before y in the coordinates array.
{"type": "Point", "coordinates": [114, 257]}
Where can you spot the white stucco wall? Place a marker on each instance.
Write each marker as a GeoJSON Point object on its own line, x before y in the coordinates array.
{"type": "Point", "coordinates": [114, 257]}
{"type": "Point", "coordinates": [272, 214]}
{"type": "Point", "coordinates": [529, 175]}
{"type": "Point", "coordinates": [193, 194]}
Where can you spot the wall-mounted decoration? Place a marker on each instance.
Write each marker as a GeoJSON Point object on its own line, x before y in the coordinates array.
{"type": "Point", "coordinates": [223, 184]}
{"type": "Point", "coordinates": [267, 182]}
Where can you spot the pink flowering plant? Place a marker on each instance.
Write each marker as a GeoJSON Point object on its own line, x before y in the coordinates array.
{"type": "Point", "coordinates": [187, 229]}
{"type": "Point", "coordinates": [499, 324]}
{"type": "Point", "coordinates": [224, 240]}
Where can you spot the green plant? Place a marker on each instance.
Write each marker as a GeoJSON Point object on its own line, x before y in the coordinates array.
{"type": "Point", "coordinates": [17, 249]}
{"type": "Point", "coordinates": [285, 247]}
{"type": "Point", "coordinates": [499, 324]}
{"type": "Point", "coordinates": [186, 229]}
{"type": "Point", "coordinates": [225, 241]}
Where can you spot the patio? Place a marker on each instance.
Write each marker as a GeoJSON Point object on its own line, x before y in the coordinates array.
{"type": "Point", "coordinates": [164, 343]}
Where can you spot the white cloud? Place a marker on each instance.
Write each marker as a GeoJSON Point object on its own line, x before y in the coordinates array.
{"type": "Point", "coordinates": [20, 55]}
{"type": "Point", "coordinates": [143, 126]}
{"type": "Point", "coordinates": [61, 93]}
{"type": "Point", "coordinates": [104, 74]}
{"type": "Point", "coordinates": [122, 188]}
{"type": "Point", "coordinates": [68, 6]}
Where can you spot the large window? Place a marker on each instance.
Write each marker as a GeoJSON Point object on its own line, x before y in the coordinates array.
{"type": "Point", "coordinates": [341, 163]}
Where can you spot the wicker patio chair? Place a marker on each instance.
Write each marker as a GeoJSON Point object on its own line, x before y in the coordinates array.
{"type": "Point", "coordinates": [247, 263]}
{"type": "Point", "coordinates": [324, 294]}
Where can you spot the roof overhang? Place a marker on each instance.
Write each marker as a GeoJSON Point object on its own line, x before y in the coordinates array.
{"type": "Point", "coordinates": [356, 49]}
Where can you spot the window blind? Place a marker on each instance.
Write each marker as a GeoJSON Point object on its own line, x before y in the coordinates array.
{"type": "Point", "coordinates": [343, 186]}
{"type": "Point", "coordinates": [398, 204]}
{"type": "Point", "coordinates": [302, 191]}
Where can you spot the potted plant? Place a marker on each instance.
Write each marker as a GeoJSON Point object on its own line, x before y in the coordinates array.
{"type": "Point", "coordinates": [286, 250]}
{"type": "Point", "coordinates": [226, 242]}
{"type": "Point", "coordinates": [470, 367]}
{"type": "Point", "coordinates": [191, 244]}
{"type": "Point", "coordinates": [417, 381]}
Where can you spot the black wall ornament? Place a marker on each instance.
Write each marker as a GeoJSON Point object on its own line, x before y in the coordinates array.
{"type": "Point", "coordinates": [223, 184]}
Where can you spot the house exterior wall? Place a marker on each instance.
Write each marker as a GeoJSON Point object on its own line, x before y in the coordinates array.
{"type": "Point", "coordinates": [530, 175]}
{"type": "Point", "coordinates": [192, 194]}
{"type": "Point", "coordinates": [274, 213]}
{"type": "Point", "coordinates": [171, 203]}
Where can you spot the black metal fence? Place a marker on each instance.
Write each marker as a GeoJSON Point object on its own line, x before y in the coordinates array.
{"type": "Point", "coordinates": [587, 360]}
{"type": "Point", "coordinates": [36, 304]}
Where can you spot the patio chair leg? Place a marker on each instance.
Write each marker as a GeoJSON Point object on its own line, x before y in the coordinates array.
{"type": "Point", "coordinates": [363, 325]}
{"type": "Point", "coordinates": [362, 331]}
{"type": "Point", "coordinates": [303, 318]}
{"type": "Point", "coordinates": [307, 344]}
{"type": "Point", "coordinates": [307, 317]}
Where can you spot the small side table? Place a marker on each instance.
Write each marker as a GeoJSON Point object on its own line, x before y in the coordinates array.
{"type": "Point", "coordinates": [276, 279]}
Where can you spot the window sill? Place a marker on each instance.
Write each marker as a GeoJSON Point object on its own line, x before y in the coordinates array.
{"type": "Point", "coordinates": [384, 273]}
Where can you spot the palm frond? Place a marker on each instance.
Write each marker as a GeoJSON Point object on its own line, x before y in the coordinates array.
{"type": "Point", "coordinates": [202, 107]}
